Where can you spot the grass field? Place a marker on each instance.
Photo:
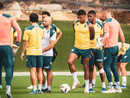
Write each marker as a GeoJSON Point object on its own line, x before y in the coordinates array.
{"type": "Point", "coordinates": [20, 83]}
{"type": "Point", "coordinates": [63, 47]}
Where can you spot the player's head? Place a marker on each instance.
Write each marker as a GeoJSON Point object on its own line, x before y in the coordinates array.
{"type": "Point", "coordinates": [33, 17]}
{"type": "Point", "coordinates": [45, 14]}
{"type": "Point", "coordinates": [1, 6]}
{"type": "Point", "coordinates": [81, 15]}
{"type": "Point", "coordinates": [106, 12]}
{"type": "Point", "coordinates": [47, 21]}
{"type": "Point", "coordinates": [91, 16]}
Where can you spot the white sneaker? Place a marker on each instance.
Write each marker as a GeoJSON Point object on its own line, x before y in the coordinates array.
{"type": "Point", "coordinates": [30, 87]}
{"type": "Point", "coordinates": [75, 84]}
{"type": "Point", "coordinates": [118, 90]}
{"type": "Point", "coordinates": [110, 90]}
{"type": "Point", "coordinates": [86, 90]}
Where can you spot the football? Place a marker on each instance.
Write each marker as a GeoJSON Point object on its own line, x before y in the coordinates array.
{"type": "Point", "coordinates": [65, 88]}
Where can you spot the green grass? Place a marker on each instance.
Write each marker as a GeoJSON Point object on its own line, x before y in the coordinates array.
{"type": "Point", "coordinates": [20, 83]}
{"type": "Point", "coordinates": [64, 45]}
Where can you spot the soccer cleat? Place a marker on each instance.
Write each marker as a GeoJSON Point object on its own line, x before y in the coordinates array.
{"type": "Point", "coordinates": [82, 85]}
{"type": "Point", "coordinates": [110, 90]}
{"type": "Point", "coordinates": [91, 90]}
{"type": "Point", "coordinates": [30, 87]}
{"type": "Point", "coordinates": [93, 85]}
{"type": "Point", "coordinates": [123, 87]}
{"type": "Point", "coordinates": [33, 92]}
{"type": "Point", "coordinates": [1, 87]}
{"type": "Point", "coordinates": [112, 85]}
{"type": "Point", "coordinates": [9, 95]}
{"type": "Point", "coordinates": [103, 90]}
{"type": "Point", "coordinates": [75, 84]}
{"type": "Point", "coordinates": [46, 91]}
{"type": "Point", "coordinates": [118, 90]}
{"type": "Point", "coordinates": [39, 91]}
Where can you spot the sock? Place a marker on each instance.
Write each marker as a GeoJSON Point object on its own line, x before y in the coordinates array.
{"type": "Point", "coordinates": [90, 85]}
{"type": "Point", "coordinates": [74, 75]}
{"type": "Point", "coordinates": [124, 80]}
{"type": "Point", "coordinates": [86, 84]}
{"type": "Point", "coordinates": [110, 84]}
{"type": "Point", "coordinates": [44, 87]}
{"type": "Point", "coordinates": [34, 87]}
{"type": "Point", "coordinates": [8, 88]}
{"type": "Point", "coordinates": [49, 88]}
{"type": "Point", "coordinates": [39, 86]}
{"type": "Point", "coordinates": [103, 85]}
{"type": "Point", "coordinates": [93, 81]}
{"type": "Point", "coordinates": [117, 84]}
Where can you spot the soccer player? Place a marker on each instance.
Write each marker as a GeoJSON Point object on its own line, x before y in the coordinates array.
{"type": "Point", "coordinates": [122, 60]}
{"type": "Point", "coordinates": [81, 48]}
{"type": "Point", "coordinates": [112, 29]}
{"type": "Point", "coordinates": [97, 54]}
{"type": "Point", "coordinates": [48, 43]}
{"type": "Point", "coordinates": [6, 51]}
{"type": "Point", "coordinates": [13, 38]}
{"type": "Point", "coordinates": [32, 43]}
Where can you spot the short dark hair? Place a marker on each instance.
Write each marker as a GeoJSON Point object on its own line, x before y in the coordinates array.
{"type": "Point", "coordinates": [81, 12]}
{"type": "Point", "coordinates": [33, 17]}
{"type": "Point", "coordinates": [46, 13]}
{"type": "Point", "coordinates": [92, 12]}
{"type": "Point", "coordinates": [1, 5]}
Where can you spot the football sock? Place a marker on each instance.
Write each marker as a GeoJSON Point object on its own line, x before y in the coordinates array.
{"type": "Point", "coordinates": [34, 87]}
{"type": "Point", "coordinates": [90, 85]}
{"type": "Point", "coordinates": [87, 84]}
{"type": "Point", "coordinates": [8, 88]}
{"type": "Point", "coordinates": [43, 86]}
{"type": "Point", "coordinates": [124, 80]}
{"type": "Point", "coordinates": [103, 85]}
{"type": "Point", "coordinates": [39, 86]}
{"type": "Point", "coordinates": [110, 84]}
{"type": "Point", "coordinates": [93, 81]}
{"type": "Point", "coordinates": [74, 75]}
{"type": "Point", "coordinates": [49, 88]}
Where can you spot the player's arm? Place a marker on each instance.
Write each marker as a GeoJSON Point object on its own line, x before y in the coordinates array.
{"type": "Point", "coordinates": [17, 28]}
{"type": "Point", "coordinates": [58, 36]}
{"type": "Point", "coordinates": [24, 48]}
{"type": "Point", "coordinates": [106, 33]}
{"type": "Point", "coordinates": [73, 26]}
{"type": "Point", "coordinates": [121, 35]}
{"type": "Point", "coordinates": [92, 31]}
{"type": "Point", "coordinates": [52, 43]}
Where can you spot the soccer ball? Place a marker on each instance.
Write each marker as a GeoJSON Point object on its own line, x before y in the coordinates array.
{"type": "Point", "coordinates": [65, 88]}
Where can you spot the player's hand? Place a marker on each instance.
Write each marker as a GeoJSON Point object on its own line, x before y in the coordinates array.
{"type": "Point", "coordinates": [99, 43]}
{"type": "Point", "coordinates": [15, 53]}
{"type": "Point", "coordinates": [15, 48]}
{"type": "Point", "coordinates": [22, 56]}
{"type": "Point", "coordinates": [91, 53]}
{"type": "Point", "coordinates": [123, 51]}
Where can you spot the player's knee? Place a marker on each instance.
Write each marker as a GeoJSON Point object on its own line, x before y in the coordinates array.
{"type": "Point", "coordinates": [70, 62]}
{"type": "Point", "coordinates": [101, 71]}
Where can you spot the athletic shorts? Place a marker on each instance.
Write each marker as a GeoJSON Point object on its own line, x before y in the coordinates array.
{"type": "Point", "coordinates": [47, 62]}
{"type": "Point", "coordinates": [84, 53]}
{"type": "Point", "coordinates": [34, 61]}
{"type": "Point", "coordinates": [124, 58]}
{"type": "Point", "coordinates": [6, 56]}
{"type": "Point", "coordinates": [97, 56]}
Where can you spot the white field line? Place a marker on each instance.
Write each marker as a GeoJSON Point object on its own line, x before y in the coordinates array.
{"type": "Point", "coordinates": [54, 73]}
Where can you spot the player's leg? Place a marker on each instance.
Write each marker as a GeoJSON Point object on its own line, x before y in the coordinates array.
{"type": "Point", "coordinates": [114, 69]}
{"type": "Point", "coordinates": [8, 65]}
{"type": "Point", "coordinates": [106, 63]}
{"type": "Point", "coordinates": [47, 64]}
{"type": "Point", "coordinates": [1, 65]}
{"type": "Point", "coordinates": [44, 84]}
{"type": "Point", "coordinates": [118, 67]}
{"type": "Point", "coordinates": [72, 57]}
{"type": "Point", "coordinates": [94, 76]}
{"type": "Point", "coordinates": [124, 74]}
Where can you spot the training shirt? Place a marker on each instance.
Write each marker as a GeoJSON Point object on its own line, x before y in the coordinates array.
{"type": "Point", "coordinates": [6, 21]}
{"type": "Point", "coordinates": [34, 34]}
{"type": "Point", "coordinates": [82, 35]}
{"type": "Point", "coordinates": [98, 31]}
{"type": "Point", "coordinates": [111, 30]}
{"type": "Point", "coordinates": [53, 26]}
{"type": "Point", "coordinates": [50, 34]}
